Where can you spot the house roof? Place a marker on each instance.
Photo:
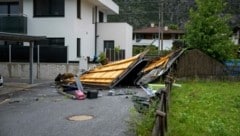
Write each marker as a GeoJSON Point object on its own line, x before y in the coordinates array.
{"type": "Point", "coordinates": [111, 74]}
{"type": "Point", "coordinates": [156, 30]}
{"type": "Point", "coordinates": [158, 67]}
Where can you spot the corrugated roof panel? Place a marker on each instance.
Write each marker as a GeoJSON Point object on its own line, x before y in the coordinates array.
{"type": "Point", "coordinates": [157, 68]}
{"type": "Point", "coordinates": [157, 63]}
{"type": "Point", "coordinates": [111, 73]}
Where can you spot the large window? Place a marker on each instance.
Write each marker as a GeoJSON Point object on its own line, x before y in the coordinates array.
{"type": "Point", "coordinates": [79, 9]}
{"type": "Point", "coordinates": [48, 8]}
{"type": "Point", "coordinates": [78, 47]}
{"type": "Point", "coordinates": [7, 8]}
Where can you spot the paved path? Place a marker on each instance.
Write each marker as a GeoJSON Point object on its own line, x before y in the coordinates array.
{"type": "Point", "coordinates": [41, 111]}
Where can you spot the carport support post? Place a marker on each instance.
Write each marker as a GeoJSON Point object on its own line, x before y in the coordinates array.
{"type": "Point", "coordinates": [10, 54]}
{"type": "Point", "coordinates": [38, 61]}
{"type": "Point", "coordinates": [31, 63]}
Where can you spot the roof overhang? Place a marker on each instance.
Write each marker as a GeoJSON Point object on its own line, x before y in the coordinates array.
{"type": "Point", "coordinates": [108, 6]}
{"type": "Point", "coordinates": [20, 37]}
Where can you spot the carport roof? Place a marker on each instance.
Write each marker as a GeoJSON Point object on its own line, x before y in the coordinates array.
{"type": "Point", "coordinates": [23, 38]}
{"type": "Point", "coordinates": [19, 37]}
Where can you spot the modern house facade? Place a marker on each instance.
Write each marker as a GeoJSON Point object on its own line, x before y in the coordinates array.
{"type": "Point", "coordinates": [150, 36]}
{"type": "Point", "coordinates": [79, 25]}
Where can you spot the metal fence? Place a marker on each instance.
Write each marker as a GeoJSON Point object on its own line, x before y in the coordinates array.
{"type": "Point", "coordinates": [20, 53]}
{"type": "Point", "coordinates": [114, 55]}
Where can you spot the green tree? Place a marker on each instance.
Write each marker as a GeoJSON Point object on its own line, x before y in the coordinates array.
{"type": "Point", "coordinates": [208, 30]}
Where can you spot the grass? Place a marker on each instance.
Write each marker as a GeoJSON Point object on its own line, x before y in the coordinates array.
{"type": "Point", "coordinates": [205, 108]}
{"type": "Point", "coordinates": [141, 124]}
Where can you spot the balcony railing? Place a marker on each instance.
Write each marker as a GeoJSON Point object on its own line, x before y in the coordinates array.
{"type": "Point", "coordinates": [13, 24]}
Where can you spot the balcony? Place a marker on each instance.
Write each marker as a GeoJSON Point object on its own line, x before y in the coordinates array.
{"type": "Point", "coordinates": [109, 6]}
{"type": "Point", "coordinates": [13, 24]}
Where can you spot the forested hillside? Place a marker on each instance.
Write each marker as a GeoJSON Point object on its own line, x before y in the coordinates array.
{"type": "Point", "coordinates": [140, 13]}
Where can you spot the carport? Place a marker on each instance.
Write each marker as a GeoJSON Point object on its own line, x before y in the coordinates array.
{"type": "Point", "coordinates": [13, 37]}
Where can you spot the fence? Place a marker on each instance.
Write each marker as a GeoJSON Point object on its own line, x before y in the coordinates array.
{"type": "Point", "coordinates": [160, 126]}
{"type": "Point", "coordinates": [194, 63]}
{"type": "Point", "coordinates": [114, 55]}
{"type": "Point", "coordinates": [20, 53]}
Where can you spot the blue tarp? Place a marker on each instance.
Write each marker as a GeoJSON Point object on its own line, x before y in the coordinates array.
{"type": "Point", "coordinates": [233, 67]}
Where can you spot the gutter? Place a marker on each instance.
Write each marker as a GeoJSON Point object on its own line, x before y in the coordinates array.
{"type": "Point", "coordinates": [96, 35]}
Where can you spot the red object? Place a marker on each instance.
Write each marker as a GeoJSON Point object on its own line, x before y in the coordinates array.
{"type": "Point", "coordinates": [80, 95]}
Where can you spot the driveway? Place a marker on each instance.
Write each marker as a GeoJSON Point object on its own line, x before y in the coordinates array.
{"type": "Point", "coordinates": [41, 111]}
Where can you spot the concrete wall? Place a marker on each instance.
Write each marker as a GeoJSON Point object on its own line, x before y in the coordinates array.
{"type": "Point", "coordinates": [42, 71]}
{"type": "Point", "coordinates": [120, 33]}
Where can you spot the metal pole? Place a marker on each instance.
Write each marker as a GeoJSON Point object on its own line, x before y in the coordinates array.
{"type": "Point", "coordinates": [38, 61]}
{"type": "Point", "coordinates": [96, 33]}
{"type": "Point", "coordinates": [10, 54]}
{"type": "Point", "coordinates": [31, 63]}
{"type": "Point", "coordinates": [162, 25]}
{"type": "Point", "coordinates": [67, 59]}
{"type": "Point", "coordinates": [38, 54]}
{"type": "Point", "coordinates": [67, 54]}
{"type": "Point", "coordinates": [159, 27]}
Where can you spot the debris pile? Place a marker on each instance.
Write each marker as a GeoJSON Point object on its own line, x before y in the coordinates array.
{"type": "Point", "coordinates": [132, 71]}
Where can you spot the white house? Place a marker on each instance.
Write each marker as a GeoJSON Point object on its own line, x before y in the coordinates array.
{"type": "Point", "coordinates": [112, 34]}
{"type": "Point", "coordinates": [81, 25]}
{"type": "Point", "coordinates": [149, 36]}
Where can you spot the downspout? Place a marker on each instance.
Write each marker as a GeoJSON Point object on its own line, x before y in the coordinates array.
{"type": "Point", "coordinates": [96, 35]}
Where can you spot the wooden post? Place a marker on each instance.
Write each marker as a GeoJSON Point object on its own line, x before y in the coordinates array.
{"type": "Point", "coordinates": [162, 119]}
{"type": "Point", "coordinates": [165, 109]}
{"type": "Point", "coordinates": [156, 127]}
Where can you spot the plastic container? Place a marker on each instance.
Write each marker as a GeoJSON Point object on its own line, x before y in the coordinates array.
{"type": "Point", "coordinates": [93, 94]}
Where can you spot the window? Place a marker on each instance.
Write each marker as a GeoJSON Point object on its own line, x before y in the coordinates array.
{"type": "Point", "coordinates": [79, 9]}
{"type": "Point", "coordinates": [78, 47]}
{"type": "Point", "coordinates": [48, 8]}
{"type": "Point", "coordinates": [108, 45]}
{"type": "Point", "coordinates": [9, 8]}
{"type": "Point", "coordinates": [101, 16]}
{"type": "Point", "coordinates": [51, 42]}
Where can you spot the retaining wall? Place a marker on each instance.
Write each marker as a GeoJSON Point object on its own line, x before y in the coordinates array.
{"type": "Point", "coordinates": [40, 71]}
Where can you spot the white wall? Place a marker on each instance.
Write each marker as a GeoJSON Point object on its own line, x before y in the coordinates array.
{"type": "Point", "coordinates": [71, 28]}
{"type": "Point", "coordinates": [68, 27]}
{"type": "Point", "coordinates": [121, 33]}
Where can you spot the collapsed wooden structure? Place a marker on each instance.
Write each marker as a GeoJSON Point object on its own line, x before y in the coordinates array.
{"type": "Point", "coordinates": [139, 71]}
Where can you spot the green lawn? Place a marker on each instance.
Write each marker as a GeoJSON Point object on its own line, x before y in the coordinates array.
{"type": "Point", "coordinates": [205, 108]}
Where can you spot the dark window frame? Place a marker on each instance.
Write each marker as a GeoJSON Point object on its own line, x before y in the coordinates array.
{"type": "Point", "coordinates": [101, 16]}
{"type": "Point", "coordinates": [78, 47]}
{"type": "Point", "coordinates": [106, 46]}
{"type": "Point", "coordinates": [49, 11]}
{"type": "Point", "coordinates": [50, 42]}
{"type": "Point", "coordinates": [79, 8]}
